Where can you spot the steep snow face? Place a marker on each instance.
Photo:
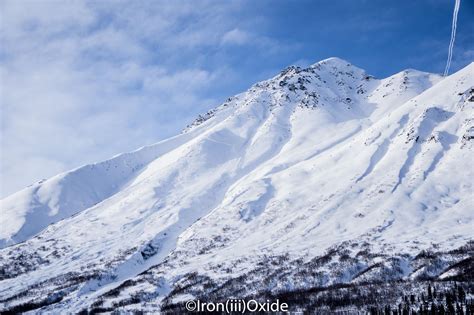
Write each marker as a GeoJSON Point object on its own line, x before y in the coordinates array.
{"type": "Point", "coordinates": [338, 89]}
{"type": "Point", "coordinates": [332, 84]}
{"type": "Point", "coordinates": [304, 161]}
{"type": "Point", "coordinates": [30, 210]}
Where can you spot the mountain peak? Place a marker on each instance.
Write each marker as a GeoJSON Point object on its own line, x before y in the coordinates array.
{"type": "Point", "coordinates": [334, 61]}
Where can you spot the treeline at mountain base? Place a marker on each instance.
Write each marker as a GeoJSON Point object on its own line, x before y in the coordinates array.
{"type": "Point", "coordinates": [395, 298]}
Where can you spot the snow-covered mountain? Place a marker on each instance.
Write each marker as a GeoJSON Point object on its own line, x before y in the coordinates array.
{"type": "Point", "coordinates": [314, 178]}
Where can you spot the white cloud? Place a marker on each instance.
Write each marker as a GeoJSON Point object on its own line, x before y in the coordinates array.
{"type": "Point", "coordinates": [83, 81]}
{"type": "Point", "coordinates": [236, 37]}
{"type": "Point", "coordinates": [463, 58]}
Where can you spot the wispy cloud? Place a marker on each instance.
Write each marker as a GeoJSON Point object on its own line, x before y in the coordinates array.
{"type": "Point", "coordinates": [82, 81]}
{"type": "Point", "coordinates": [236, 37]}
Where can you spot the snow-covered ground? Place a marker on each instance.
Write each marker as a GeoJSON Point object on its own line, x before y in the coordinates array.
{"type": "Point", "coordinates": [303, 162]}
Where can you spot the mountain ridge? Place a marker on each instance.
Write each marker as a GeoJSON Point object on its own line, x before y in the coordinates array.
{"type": "Point", "coordinates": [311, 161]}
{"type": "Point", "coordinates": [333, 62]}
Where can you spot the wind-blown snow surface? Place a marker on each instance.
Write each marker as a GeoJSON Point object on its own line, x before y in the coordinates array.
{"type": "Point", "coordinates": [304, 162]}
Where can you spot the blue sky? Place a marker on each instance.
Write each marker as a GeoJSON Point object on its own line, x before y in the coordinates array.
{"type": "Point", "coordinates": [84, 80]}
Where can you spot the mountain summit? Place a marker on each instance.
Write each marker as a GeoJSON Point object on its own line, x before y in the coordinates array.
{"type": "Point", "coordinates": [317, 177]}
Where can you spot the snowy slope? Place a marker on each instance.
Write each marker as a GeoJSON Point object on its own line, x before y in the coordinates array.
{"type": "Point", "coordinates": [309, 160]}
